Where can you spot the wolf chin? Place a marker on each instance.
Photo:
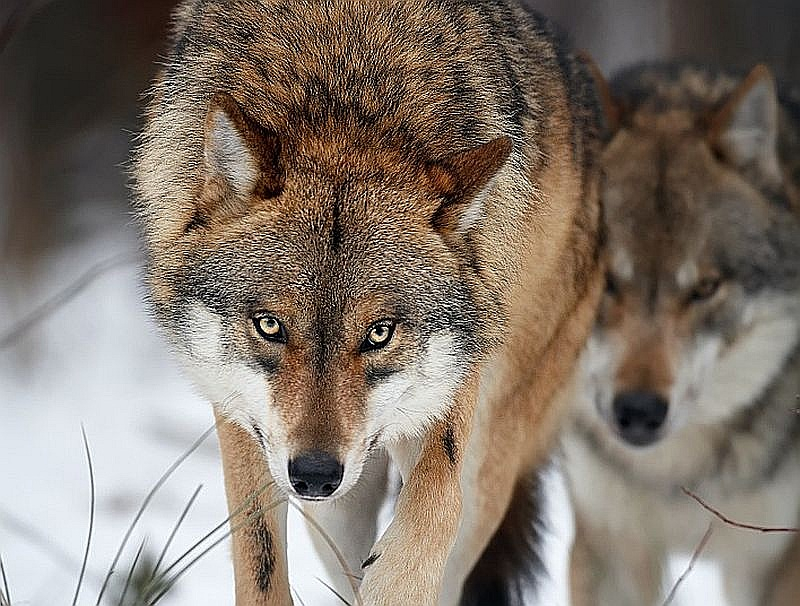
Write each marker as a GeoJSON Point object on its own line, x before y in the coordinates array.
{"type": "Point", "coordinates": [691, 376]}
{"type": "Point", "coordinates": [365, 223]}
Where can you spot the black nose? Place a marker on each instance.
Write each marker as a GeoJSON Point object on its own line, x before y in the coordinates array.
{"type": "Point", "coordinates": [315, 474]}
{"type": "Point", "coordinates": [639, 416]}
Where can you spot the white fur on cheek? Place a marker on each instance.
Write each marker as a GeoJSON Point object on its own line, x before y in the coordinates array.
{"type": "Point", "coordinates": [691, 378]}
{"type": "Point", "coordinates": [596, 368]}
{"type": "Point", "coordinates": [755, 358]}
{"type": "Point", "coordinates": [407, 403]}
{"type": "Point", "coordinates": [238, 392]}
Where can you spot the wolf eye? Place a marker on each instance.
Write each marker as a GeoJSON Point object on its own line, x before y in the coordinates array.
{"type": "Point", "coordinates": [378, 335]}
{"type": "Point", "coordinates": [270, 328]}
{"type": "Point", "coordinates": [612, 288]}
{"type": "Point", "coordinates": [705, 289]}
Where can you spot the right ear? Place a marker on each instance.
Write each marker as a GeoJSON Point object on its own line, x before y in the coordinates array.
{"type": "Point", "coordinates": [745, 130]}
{"type": "Point", "coordinates": [241, 156]}
{"type": "Point", "coordinates": [608, 105]}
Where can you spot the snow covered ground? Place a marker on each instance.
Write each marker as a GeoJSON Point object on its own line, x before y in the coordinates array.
{"type": "Point", "coordinates": [97, 361]}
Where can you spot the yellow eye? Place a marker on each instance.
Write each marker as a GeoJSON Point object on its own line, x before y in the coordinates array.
{"type": "Point", "coordinates": [270, 328]}
{"type": "Point", "coordinates": [378, 335]}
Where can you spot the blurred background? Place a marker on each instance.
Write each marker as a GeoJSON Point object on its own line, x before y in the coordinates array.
{"type": "Point", "coordinates": [75, 343]}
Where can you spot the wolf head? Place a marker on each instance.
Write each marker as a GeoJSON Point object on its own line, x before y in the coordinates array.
{"type": "Point", "coordinates": [701, 307]}
{"type": "Point", "coordinates": [319, 294]}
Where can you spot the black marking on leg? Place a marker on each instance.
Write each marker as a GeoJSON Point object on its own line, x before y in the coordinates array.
{"type": "Point", "coordinates": [373, 557]}
{"type": "Point", "coordinates": [265, 550]}
{"type": "Point", "coordinates": [449, 444]}
{"type": "Point", "coordinates": [259, 436]}
{"type": "Point", "coordinates": [199, 220]}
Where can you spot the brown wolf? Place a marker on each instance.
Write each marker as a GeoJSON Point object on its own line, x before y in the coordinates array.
{"type": "Point", "coordinates": [366, 222]}
{"type": "Point", "coordinates": [692, 373]}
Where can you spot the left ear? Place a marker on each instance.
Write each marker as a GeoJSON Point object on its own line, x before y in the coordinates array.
{"type": "Point", "coordinates": [745, 129]}
{"type": "Point", "coordinates": [463, 179]}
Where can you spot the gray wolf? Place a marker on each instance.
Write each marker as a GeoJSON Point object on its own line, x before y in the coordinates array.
{"type": "Point", "coordinates": [691, 376]}
{"type": "Point", "coordinates": [365, 223]}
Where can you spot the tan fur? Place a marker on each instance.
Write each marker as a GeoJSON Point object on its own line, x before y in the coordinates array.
{"type": "Point", "coordinates": [332, 178]}
{"type": "Point", "coordinates": [260, 505]}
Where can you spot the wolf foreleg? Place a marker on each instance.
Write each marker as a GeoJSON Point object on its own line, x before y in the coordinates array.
{"type": "Point", "coordinates": [258, 520]}
{"type": "Point", "coordinates": [407, 564]}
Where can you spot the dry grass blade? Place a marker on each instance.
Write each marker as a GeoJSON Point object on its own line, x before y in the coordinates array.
{"type": "Point", "coordinates": [5, 594]}
{"type": "Point", "coordinates": [246, 522]}
{"type": "Point", "coordinates": [351, 577]}
{"type": "Point", "coordinates": [60, 298]}
{"type": "Point", "coordinates": [721, 516]}
{"type": "Point", "coordinates": [127, 585]}
{"type": "Point", "coordinates": [297, 596]}
{"type": "Point", "coordinates": [175, 529]}
{"type": "Point", "coordinates": [92, 505]}
{"type": "Point", "coordinates": [695, 555]}
{"type": "Point", "coordinates": [334, 592]}
{"type": "Point", "coordinates": [164, 477]}
{"type": "Point", "coordinates": [158, 580]}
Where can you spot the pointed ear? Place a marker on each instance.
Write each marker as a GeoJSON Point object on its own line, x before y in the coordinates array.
{"type": "Point", "coordinates": [745, 130]}
{"type": "Point", "coordinates": [462, 179]}
{"type": "Point", "coordinates": [608, 105]}
{"type": "Point", "coordinates": [240, 154]}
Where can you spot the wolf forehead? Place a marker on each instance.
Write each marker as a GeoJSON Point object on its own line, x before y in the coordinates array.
{"type": "Point", "coordinates": [706, 213]}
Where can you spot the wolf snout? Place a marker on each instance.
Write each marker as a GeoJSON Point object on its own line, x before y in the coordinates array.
{"type": "Point", "coordinates": [315, 474]}
{"type": "Point", "coordinates": [639, 416]}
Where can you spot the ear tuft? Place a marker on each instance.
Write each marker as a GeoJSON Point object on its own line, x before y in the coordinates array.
{"type": "Point", "coordinates": [745, 130]}
{"type": "Point", "coordinates": [239, 152]}
{"type": "Point", "coordinates": [462, 179]}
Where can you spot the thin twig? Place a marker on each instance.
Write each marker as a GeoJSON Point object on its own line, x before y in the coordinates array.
{"type": "Point", "coordinates": [91, 515]}
{"type": "Point", "coordinates": [734, 523]}
{"type": "Point", "coordinates": [351, 578]}
{"type": "Point", "coordinates": [695, 555]}
{"type": "Point", "coordinates": [56, 301]}
{"type": "Point", "coordinates": [175, 529]}
{"type": "Point", "coordinates": [165, 476]}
